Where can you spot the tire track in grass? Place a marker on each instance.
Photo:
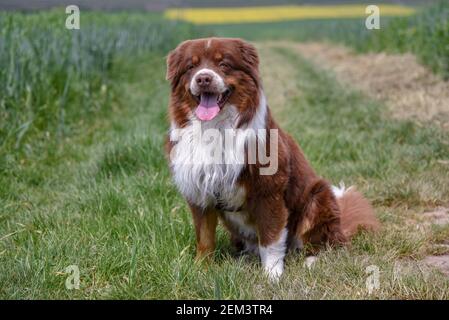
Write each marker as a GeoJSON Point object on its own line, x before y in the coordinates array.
{"type": "Point", "coordinates": [276, 73]}
{"type": "Point", "coordinates": [410, 90]}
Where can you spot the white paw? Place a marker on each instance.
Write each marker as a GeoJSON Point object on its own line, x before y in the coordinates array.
{"type": "Point", "coordinates": [272, 257]}
{"type": "Point", "coordinates": [339, 191]}
{"type": "Point", "coordinates": [275, 272]}
{"type": "Point", "coordinates": [310, 261]}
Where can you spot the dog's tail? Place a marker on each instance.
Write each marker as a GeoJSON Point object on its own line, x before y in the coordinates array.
{"type": "Point", "coordinates": [356, 211]}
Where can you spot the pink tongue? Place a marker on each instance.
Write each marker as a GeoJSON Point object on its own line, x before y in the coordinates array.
{"type": "Point", "coordinates": [208, 107]}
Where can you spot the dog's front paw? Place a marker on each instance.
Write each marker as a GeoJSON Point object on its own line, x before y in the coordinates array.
{"type": "Point", "coordinates": [272, 262]}
{"type": "Point", "coordinates": [274, 273]}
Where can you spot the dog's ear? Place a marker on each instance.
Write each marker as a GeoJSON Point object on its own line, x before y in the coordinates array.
{"type": "Point", "coordinates": [250, 58]}
{"type": "Point", "coordinates": [175, 63]}
{"type": "Point", "coordinates": [249, 53]}
{"type": "Point", "coordinates": [172, 65]}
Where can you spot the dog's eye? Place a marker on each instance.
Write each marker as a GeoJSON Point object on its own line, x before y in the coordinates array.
{"type": "Point", "coordinates": [223, 65]}
{"type": "Point", "coordinates": [190, 67]}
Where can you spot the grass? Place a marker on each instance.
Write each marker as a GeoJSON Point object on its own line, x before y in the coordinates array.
{"type": "Point", "coordinates": [53, 77]}
{"type": "Point", "coordinates": [425, 34]}
{"type": "Point", "coordinates": [100, 196]}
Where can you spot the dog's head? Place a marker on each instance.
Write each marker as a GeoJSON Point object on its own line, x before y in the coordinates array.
{"type": "Point", "coordinates": [207, 75]}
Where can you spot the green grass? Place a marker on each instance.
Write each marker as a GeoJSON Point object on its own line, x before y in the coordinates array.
{"type": "Point", "coordinates": [53, 78]}
{"type": "Point", "coordinates": [100, 198]}
{"type": "Point", "coordinates": [425, 34]}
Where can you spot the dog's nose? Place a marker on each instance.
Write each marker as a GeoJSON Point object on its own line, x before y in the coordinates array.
{"type": "Point", "coordinates": [203, 79]}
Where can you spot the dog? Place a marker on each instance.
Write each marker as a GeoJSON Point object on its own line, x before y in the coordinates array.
{"type": "Point", "coordinates": [216, 90]}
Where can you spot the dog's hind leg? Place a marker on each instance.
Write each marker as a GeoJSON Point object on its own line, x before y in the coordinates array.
{"type": "Point", "coordinates": [321, 225]}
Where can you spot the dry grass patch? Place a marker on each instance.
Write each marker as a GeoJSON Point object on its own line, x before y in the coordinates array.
{"type": "Point", "coordinates": [439, 262]}
{"type": "Point", "coordinates": [408, 88]}
{"type": "Point", "coordinates": [434, 226]}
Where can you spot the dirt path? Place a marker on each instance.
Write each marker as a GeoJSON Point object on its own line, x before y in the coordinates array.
{"type": "Point", "coordinates": [410, 90]}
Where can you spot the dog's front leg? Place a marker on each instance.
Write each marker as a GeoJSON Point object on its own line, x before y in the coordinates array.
{"type": "Point", "coordinates": [272, 233]}
{"type": "Point", "coordinates": [205, 221]}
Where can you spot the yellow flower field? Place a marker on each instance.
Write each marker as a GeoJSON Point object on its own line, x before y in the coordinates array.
{"type": "Point", "coordinates": [278, 13]}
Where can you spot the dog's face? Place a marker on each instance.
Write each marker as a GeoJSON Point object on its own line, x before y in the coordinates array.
{"type": "Point", "coordinates": [206, 75]}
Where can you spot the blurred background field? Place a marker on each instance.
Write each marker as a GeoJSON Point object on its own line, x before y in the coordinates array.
{"type": "Point", "coordinates": [46, 67]}
{"type": "Point", "coordinates": [425, 34]}
{"type": "Point", "coordinates": [83, 117]}
{"type": "Point", "coordinates": [52, 77]}
{"type": "Point", "coordinates": [159, 5]}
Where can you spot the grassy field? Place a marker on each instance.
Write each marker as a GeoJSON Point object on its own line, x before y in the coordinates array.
{"type": "Point", "coordinates": [54, 77]}
{"type": "Point", "coordinates": [83, 180]}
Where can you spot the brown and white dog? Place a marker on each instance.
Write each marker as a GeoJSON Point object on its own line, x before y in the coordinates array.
{"type": "Point", "coordinates": [215, 85]}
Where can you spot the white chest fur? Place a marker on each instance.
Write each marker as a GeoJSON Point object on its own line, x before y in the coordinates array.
{"type": "Point", "coordinates": [204, 176]}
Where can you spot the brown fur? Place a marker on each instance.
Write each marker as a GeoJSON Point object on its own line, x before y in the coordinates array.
{"type": "Point", "coordinates": [205, 222]}
{"type": "Point", "coordinates": [356, 213]}
{"type": "Point", "coordinates": [239, 60]}
{"type": "Point", "coordinates": [294, 197]}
